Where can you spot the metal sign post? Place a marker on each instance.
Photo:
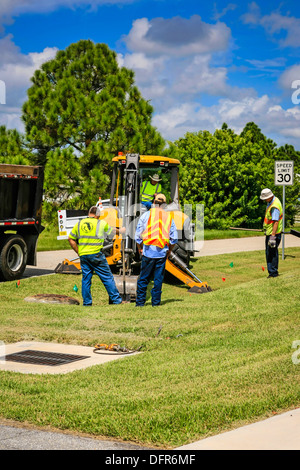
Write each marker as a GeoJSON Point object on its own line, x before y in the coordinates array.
{"type": "Point", "coordinates": [284, 176]}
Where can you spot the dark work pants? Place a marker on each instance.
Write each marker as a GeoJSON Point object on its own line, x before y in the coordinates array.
{"type": "Point", "coordinates": [149, 266]}
{"type": "Point", "coordinates": [272, 256]}
{"type": "Point", "coordinates": [97, 263]}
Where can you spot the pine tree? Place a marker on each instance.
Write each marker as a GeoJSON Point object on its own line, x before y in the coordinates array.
{"type": "Point", "coordinates": [83, 109]}
{"type": "Point", "coordinates": [13, 147]}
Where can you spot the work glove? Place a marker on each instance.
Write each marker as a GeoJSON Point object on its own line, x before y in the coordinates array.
{"type": "Point", "coordinates": [272, 241]}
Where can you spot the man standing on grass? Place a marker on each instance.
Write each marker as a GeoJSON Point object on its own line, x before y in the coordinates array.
{"type": "Point", "coordinates": [156, 234]}
{"type": "Point", "coordinates": [273, 228]}
{"type": "Point", "coordinates": [86, 239]}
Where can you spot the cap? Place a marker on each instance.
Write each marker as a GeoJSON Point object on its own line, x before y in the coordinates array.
{"type": "Point", "coordinates": [266, 194]}
{"type": "Point", "coordinates": [155, 178]}
{"type": "Point", "coordinates": [160, 198]}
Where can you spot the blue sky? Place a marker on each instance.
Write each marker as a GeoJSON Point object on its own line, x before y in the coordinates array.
{"type": "Point", "coordinates": [199, 63]}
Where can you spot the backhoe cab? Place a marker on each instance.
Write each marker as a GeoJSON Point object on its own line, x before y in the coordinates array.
{"type": "Point", "coordinates": [124, 209]}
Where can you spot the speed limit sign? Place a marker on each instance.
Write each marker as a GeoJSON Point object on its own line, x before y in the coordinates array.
{"type": "Point", "coordinates": [284, 173]}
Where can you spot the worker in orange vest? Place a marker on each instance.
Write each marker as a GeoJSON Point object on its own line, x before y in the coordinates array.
{"type": "Point", "coordinates": [156, 234]}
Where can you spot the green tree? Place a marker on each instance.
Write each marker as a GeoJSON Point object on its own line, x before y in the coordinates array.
{"type": "Point", "coordinates": [226, 173]}
{"type": "Point", "coordinates": [83, 109]}
{"type": "Point", "coordinates": [14, 148]}
{"type": "Point", "coordinates": [292, 193]}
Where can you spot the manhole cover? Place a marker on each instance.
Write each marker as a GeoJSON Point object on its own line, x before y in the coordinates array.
{"type": "Point", "coordinates": [44, 358]}
{"type": "Point", "coordinates": [52, 299]}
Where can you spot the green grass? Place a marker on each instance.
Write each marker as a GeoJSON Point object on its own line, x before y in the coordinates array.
{"type": "Point", "coordinates": [221, 359]}
{"type": "Point", "coordinates": [48, 239]}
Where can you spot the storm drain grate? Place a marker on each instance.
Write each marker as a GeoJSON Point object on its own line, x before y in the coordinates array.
{"type": "Point", "coordinates": [44, 358]}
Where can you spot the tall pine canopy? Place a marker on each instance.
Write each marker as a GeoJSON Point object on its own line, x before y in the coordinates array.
{"type": "Point", "coordinates": [83, 109]}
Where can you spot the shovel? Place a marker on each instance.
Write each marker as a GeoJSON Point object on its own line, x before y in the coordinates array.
{"type": "Point", "coordinates": [125, 296]}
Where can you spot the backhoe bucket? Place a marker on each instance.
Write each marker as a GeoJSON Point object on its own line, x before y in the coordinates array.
{"type": "Point", "coordinates": [127, 288]}
{"type": "Point", "coordinates": [68, 267]}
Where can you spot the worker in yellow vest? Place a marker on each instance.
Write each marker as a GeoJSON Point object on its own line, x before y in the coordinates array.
{"type": "Point", "coordinates": [156, 234]}
{"type": "Point", "coordinates": [149, 190]}
{"type": "Point", "coordinates": [87, 238]}
{"type": "Point", "coordinates": [273, 227]}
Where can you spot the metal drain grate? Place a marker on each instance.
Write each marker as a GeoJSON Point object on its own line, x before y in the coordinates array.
{"type": "Point", "coordinates": [44, 358]}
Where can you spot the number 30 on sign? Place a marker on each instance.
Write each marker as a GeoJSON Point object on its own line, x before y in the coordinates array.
{"type": "Point", "coordinates": [284, 173]}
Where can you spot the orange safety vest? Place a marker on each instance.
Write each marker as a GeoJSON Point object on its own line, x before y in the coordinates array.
{"type": "Point", "coordinates": [158, 228]}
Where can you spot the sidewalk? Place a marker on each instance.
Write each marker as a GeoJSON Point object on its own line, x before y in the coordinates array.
{"type": "Point", "coordinates": [235, 245]}
{"type": "Point", "coordinates": [280, 432]}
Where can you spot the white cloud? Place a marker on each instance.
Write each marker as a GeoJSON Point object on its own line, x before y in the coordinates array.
{"type": "Point", "coordinates": [16, 70]}
{"type": "Point", "coordinates": [277, 123]}
{"type": "Point", "coordinates": [172, 60]}
{"type": "Point", "coordinates": [177, 121]}
{"type": "Point", "coordinates": [9, 8]}
{"type": "Point", "coordinates": [274, 24]}
{"type": "Point", "coordinates": [199, 77]}
{"type": "Point", "coordinates": [229, 7]}
{"type": "Point", "coordinates": [289, 76]}
{"type": "Point", "coordinates": [177, 37]}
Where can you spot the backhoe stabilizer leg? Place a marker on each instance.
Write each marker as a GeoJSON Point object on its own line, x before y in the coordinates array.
{"type": "Point", "coordinates": [196, 286]}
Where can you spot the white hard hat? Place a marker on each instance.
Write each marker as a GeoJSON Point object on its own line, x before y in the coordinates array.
{"type": "Point", "coordinates": [266, 194]}
{"type": "Point", "coordinates": [155, 178]}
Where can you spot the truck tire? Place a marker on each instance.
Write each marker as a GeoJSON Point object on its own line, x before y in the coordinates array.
{"type": "Point", "coordinates": [13, 258]}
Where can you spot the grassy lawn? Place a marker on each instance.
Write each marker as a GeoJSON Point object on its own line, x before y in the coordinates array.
{"type": "Point", "coordinates": [221, 359]}
{"type": "Point", "coordinates": [48, 239]}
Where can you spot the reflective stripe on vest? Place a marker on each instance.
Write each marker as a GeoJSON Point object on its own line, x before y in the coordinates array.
{"type": "Point", "coordinates": [158, 228]}
{"type": "Point", "coordinates": [149, 196]}
{"type": "Point", "coordinates": [268, 222]}
{"type": "Point", "coordinates": [90, 236]}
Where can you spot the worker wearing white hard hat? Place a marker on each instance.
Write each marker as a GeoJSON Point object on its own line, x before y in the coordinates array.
{"type": "Point", "coordinates": [273, 228]}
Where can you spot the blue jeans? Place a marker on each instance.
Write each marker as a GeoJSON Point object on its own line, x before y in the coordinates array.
{"type": "Point", "coordinates": [149, 265]}
{"type": "Point", "coordinates": [272, 256]}
{"type": "Point", "coordinates": [147, 204]}
{"type": "Point", "coordinates": [97, 263]}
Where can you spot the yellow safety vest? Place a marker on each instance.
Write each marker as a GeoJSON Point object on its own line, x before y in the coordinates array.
{"type": "Point", "coordinates": [89, 234]}
{"type": "Point", "coordinates": [157, 232]}
{"type": "Point", "coordinates": [268, 222]}
{"type": "Point", "coordinates": [151, 190]}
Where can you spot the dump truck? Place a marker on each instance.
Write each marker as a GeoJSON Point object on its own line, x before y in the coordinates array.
{"type": "Point", "coordinates": [21, 194]}
{"type": "Point", "coordinates": [123, 209]}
